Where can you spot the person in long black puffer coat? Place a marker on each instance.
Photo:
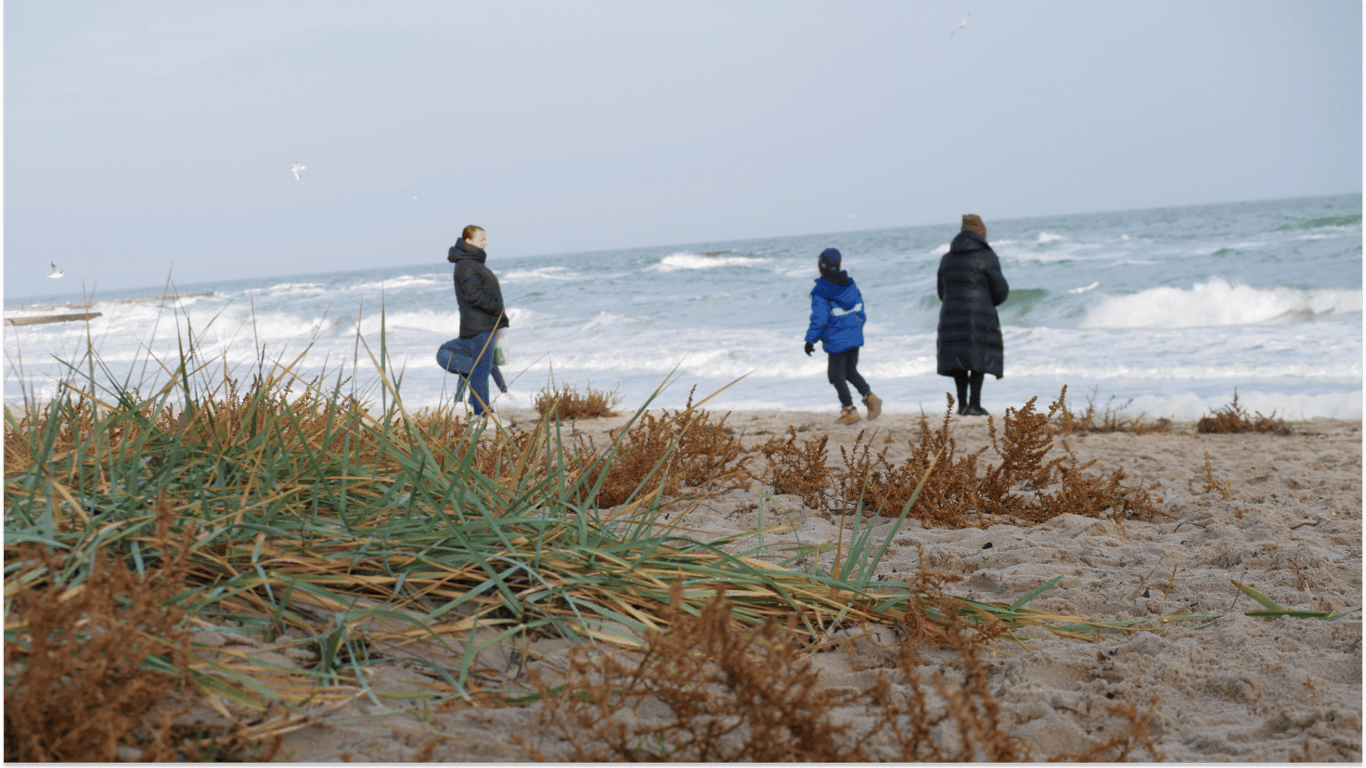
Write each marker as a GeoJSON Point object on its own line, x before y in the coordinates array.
{"type": "Point", "coordinates": [971, 286]}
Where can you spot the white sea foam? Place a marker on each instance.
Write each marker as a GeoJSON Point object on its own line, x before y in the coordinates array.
{"type": "Point", "coordinates": [1218, 303]}
{"type": "Point", "coordinates": [296, 289]}
{"type": "Point", "coordinates": [436, 321]}
{"type": "Point", "coordinates": [399, 282]}
{"type": "Point", "coordinates": [608, 320]}
{"type": "Point", "coordinates": [1048, 237]}
{"type": "Point", "coordinates": [677, 261]}
{"type": "Point", "coordinates": [542, 273]}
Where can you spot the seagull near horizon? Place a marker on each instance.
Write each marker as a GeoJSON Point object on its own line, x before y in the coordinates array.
{"type": "Point", "coordinates": [296, 170]}
{"type": "Point", "coordinates": [961, 24]}
{"type": "Point", "coordinates": [56, 273]}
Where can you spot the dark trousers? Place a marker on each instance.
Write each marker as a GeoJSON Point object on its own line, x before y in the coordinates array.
{"type": "Point", "coordinates": [969, 386]}
{"type": "Point", "coordinates": [844, 368]}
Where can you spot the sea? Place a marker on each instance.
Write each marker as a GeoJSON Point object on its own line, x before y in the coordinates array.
{"type": "Point", "coordinates": [1165, 312]}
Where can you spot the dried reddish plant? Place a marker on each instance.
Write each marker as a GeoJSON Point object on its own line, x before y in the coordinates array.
{"type": "Point", "coordinates": [949, 494]}
{"type": "Point", "coordinates": [568, 403]}
{"type": "Point", "coordinates": [1111, 419]}
{"type": "Point", "coordinates": [710, 689]}
{"type": "Point", "coordinates": [1233, 418]}
{"type": "Point", "coordinates": [727, 693]}
{"type": "Point", "coordinates": [797, 469]}
{"type": "Point", "coordinates": [666, 453]}
{"type": "Point", "coordinates": [1224, 487]}
{"type": "Point", "coordinates": [966, 727]}
{"type": "Point", "coordinates": [80, 686]}
{"type": "Point", "coordinates": [1026, 484]}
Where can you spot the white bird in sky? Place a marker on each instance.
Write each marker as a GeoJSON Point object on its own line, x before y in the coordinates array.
{"type": "Point", "coordinates": [296, 170]}
{"type": "Point", "coordinates": [56, 273]}
{"type": "Point", "coordinates": [961, 24]}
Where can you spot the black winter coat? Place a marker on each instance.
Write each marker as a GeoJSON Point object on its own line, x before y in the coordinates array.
{"type": "Point", "coordinates": [971, 286]}
{"type": "Point", "coordinates": [476, 291]}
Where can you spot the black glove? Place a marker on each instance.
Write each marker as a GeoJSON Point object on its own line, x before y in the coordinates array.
{"type": "Point", "coordinates": [810, 348]}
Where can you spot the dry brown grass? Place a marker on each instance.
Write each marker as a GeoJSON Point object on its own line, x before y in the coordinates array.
{"type": "Point", "coordinates": [1224, 487]}
{"type": "Point", "coordinates": [712, 690]}
{"type": "Point", "coordinates": [797, 469]}
{"type": "Point", "coordinates": [567, 402]}
{"type": "Point", "coordinates": [1110, 419]}
{"type": "Point", "coordinates": [949, 494]}
{"type": "Point", "coordinates": [1233, 418]}
{"type": "Point", "coordinates": [1030, 481]}
{"type": "Point", "coordinates": [667, 454]}
{"type": "Point", "coordinates": [81, 685]}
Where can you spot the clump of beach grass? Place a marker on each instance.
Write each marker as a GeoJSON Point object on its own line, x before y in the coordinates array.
{"type": "Point", "coordinates": [666, 455]}
{"type": "Point", "coordinates": [299, 516]}
{"type": "Point", "coordinates": [1027, 482]}
{"type": "Point", "coordinates": [1112, 418]}
{"type": "Point", "coordinates": [566, 402]}
{"type": "Point", "coordinates": [1233, 419]}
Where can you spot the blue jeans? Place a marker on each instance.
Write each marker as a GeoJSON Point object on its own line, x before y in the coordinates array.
{"type": "Point", "coordinates": [497, 382]}
{"type": "Point", "coordinates": [479, 375]}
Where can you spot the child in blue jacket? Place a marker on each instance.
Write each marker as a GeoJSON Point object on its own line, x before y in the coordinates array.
{"type": "Point", "coordinates": [837, 319]}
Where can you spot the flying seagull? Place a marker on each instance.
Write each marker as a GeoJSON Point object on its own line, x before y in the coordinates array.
{"type": "Point", "coordinates": [961, 24]}
{"type": "Point", "coordinates": [296, 170]}
{"type": "Point", "coordinates": [56, 273]}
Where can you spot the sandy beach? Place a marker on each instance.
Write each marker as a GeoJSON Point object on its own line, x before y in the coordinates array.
{"type": "Point", "coordinates": [1279, 513]}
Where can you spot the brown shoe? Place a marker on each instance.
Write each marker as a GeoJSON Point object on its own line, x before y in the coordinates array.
{"type": "Point", "coordinates": [874, 404]}
{"type": "Point", "coordinates": [849, 415]}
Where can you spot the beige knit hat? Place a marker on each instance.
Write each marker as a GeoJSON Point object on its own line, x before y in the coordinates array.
{"type": "Point", "coordinates": [972, 222]}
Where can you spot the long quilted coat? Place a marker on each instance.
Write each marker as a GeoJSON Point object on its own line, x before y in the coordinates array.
{"type": "Point", "coordinates": [971, 286]}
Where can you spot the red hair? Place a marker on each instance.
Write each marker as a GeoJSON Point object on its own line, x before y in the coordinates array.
{"type": "Point", "coordinates": [469, 232]}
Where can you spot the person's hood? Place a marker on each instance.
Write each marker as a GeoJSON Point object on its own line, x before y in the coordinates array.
{"type": "Point", "coordinates": [463, 250]}
{"type": "Point", "coordinates": [847, 296]}
{"type": "Point", "coordinates": [967, 240]}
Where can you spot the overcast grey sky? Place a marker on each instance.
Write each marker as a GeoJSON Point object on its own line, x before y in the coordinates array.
{"type": "Point", "coordinates": [142, 137]}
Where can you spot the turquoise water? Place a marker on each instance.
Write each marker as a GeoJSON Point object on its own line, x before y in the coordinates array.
{"type": "Point", "coordinates": [1170, 308]}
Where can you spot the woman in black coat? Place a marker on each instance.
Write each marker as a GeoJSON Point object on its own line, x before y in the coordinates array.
{"type": "Point", "coordinates": [971, 286]}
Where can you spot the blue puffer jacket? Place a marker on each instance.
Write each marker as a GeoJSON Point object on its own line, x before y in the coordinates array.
{"type": "Point", "coordinates": [837, 315]}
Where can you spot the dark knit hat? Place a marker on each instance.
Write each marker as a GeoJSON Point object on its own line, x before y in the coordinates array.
{"type": "Point", "coordinates": [829, 262]}
{"type": "Point", "coordinates": [973, 223]}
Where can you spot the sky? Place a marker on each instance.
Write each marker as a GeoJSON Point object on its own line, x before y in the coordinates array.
{"type": "Point", "coordinates": [153, 140]}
